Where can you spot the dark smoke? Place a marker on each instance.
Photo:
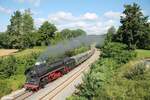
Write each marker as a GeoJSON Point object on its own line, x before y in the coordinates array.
{"type": "Point", "coordinates": [73, 43]}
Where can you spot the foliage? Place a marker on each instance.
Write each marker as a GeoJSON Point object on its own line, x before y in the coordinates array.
{"type": "Point", "coordinates": [110, 34]}
{"type": "Point", "coordinates": [47, 31]}
{"type": "Point", "coordinates": [57, 38]}
{"type": "Point", "coordinates": [19, 31]}
{"type": "Point", "coordinates": [67, 33]}
{"type": "Point", "coordinates": [15, 27]}
{"type": "Point", "coordinates": [7, 66]}
{"type": "Point", "coordinates": [76, 98]}
{"type": "Point", "coordinates": [113, 77]}
{"type": "Point", "coordinates": [129, 82]}
{"type": "Point", "coordinates": [96, 83]}
{"type": "Point", "coordinates": [12, 69]}
{"type": "Point", "coordinates": [134, 31]}
{"type": "Point", "coordinates": [135, 72]}
{"type": "Point", "coordinates": [4, 88]}
{"type": "Point", "coordinates": [21, 34]}
{"type": "Point", "coordinates": [4, 41]}
{"type": "Point", "coordinates": [143, 53]}
{"type": "Point", "coordinates": [99, 74]}
{"type": "Point", "coordinates": [27, 20]}
{"type": "Point", "coordinates": [118, 52]}
{"type": "Point", "coordinates": [76, 51]}
{"type": "Point", "coordinates": [14, 30]}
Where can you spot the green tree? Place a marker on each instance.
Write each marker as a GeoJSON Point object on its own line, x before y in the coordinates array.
{"type": "Point", "coordinates": [78, 32]}
{"type": "Point", "coordinates": [28, 40]}
{"type": "Point", "coordinates": [67, 33]}
{"type": "Point", "coordinates": [47, 31]}
{"type": "Point", "coordinates": [2, 40]}
{"type": "Point", "coordinates": [145, 39]}
{"type": "Point", "coordinates": [118, 52]}
{"type": "Point", "coordinates": [110, 34]}
{"type": "Point", "coordinates": [58, 37]}
{"type": "Point", "coordinates": [134, 26]}
{"type": "Point", "coordinates": [7, 67]}
{"type": "Point", "coordinates": [14, 30]}
{"type": "Point", "coordinates": [28, 24]}
{"type": "Point", "coordinates": [15, 27]}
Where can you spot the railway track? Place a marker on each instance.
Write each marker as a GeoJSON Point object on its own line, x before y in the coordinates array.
{"type": "Point", "coordinates": [51, 94]}
{"type": "Point", "coordinates": [23, 96]}
{"type": "Point", "coordinates": [55, 91]}
{"type": "Point", "coordinates": [64, 84]}
{"type": "Point", "coordinates": [26, 94]}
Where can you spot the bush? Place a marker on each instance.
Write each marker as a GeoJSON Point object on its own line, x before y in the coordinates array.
{"type": "Point", "coordinates": [7, 66]}
{"type": "Point", "coordinates": [12, 70]}
{"type": "Point", "coordinates": [76, 98]}
{"type": "Point", "coordinates": [128, 83]}
{"type": "Point", "coordinates": [102, 76]}
{"type": "Point", "coordinates": [135, 72]}
{"type": "Point", "coordinates": [76, 51]}
{"type": "Point", "coordinates": [99, 74]}
{"type": "Point", "coordinates": [4, 88]}
{"type": "Point", "coordinates": [118, 51]}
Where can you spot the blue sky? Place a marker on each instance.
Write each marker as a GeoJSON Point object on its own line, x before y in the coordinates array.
{"type": "Point", "coordinates": [94, 16]}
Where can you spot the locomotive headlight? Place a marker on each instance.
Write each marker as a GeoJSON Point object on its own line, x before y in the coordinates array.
{"type": "Point", "coordinates": [39, 63]}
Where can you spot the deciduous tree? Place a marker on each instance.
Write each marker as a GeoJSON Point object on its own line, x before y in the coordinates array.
{"type": "Point", "coordinates": [47, 30]}
{"type": "Point", "coordinates": [28, 24]}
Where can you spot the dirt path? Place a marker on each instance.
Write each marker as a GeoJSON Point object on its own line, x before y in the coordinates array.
{"type": "Point", "coordinates": [4, 52]}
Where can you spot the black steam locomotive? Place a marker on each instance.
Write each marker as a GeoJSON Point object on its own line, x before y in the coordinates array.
{"type": "Point", "coordinates": [42, 73]}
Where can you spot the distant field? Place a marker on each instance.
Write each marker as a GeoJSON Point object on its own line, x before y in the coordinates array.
{"type": "Point", "coordinates": [4, 52]}
{"type": "Point", "coordinates": [143, 53]}
{"type": "Point", "coordinates": [29, 51]}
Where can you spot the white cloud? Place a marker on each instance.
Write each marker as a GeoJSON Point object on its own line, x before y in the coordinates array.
{"type": "Point", "coordinates": [34, 2]}
{"type": "Point", "coordinates": [39, 21]}
{"type": "Point", "coordinates": [90, 22]}
{"type": "Point", "coordinates": [90, 16]}
{"type": "Point", "coordinates": [113, 15]}
{"type": "Point", "coordinates": [61, 16]}
{"type": "Point", "coordinates": [5, 10]}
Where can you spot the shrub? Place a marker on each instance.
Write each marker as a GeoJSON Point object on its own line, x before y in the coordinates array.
{"type": "Point", "coordinates": [76, 51]}
{"type": "Point", "coordinates": [99, 74]}
{"type": "Point", "coordinates": [135, 72]}
{"type": "Point", "coordinates": [12, 70]}
{"type": "Point", "coordinates": [128, 82]}
{"type": "Point", "coordinates": [4, 88]}
{"type": "Point", "coordinates": [102, 76]}
{"type": "Point", "coordinates": [118, 52]}
{"type": "Point", "coordinates": [7, 66]}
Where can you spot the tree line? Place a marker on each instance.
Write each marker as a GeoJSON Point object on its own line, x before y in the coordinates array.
{"type": "Point", "coordinates": [21, 32]}
{"type": "Point", "coordinates": [134, 30]}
